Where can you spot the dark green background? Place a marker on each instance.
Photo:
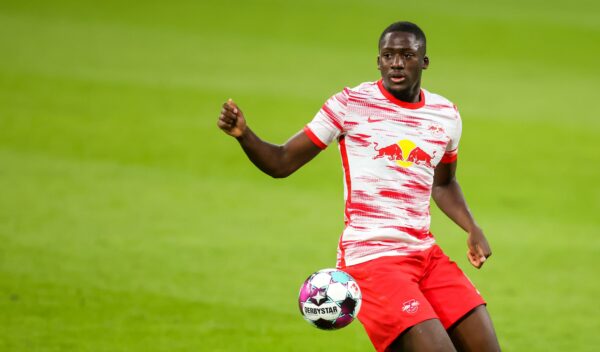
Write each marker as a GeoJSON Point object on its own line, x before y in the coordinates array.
{"type": "Point", "coordinates": [129, 222]}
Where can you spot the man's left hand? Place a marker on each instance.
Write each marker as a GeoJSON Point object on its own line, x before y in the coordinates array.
{"type": "Point", "coordinates": [479, 249]}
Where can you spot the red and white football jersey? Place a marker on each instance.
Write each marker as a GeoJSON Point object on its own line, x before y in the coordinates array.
{"type": "Point", "coordinates": [389, 151]}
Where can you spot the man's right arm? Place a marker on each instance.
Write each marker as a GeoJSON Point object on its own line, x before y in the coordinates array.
{"type": "Point", "coordinates": [274, 160]}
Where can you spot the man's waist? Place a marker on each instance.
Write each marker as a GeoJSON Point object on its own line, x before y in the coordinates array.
{"type": "Point", "coordinates": [392, 232]}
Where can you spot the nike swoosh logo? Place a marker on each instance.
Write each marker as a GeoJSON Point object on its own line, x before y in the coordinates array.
{"type": "Point", "coordinates": [371, 119]}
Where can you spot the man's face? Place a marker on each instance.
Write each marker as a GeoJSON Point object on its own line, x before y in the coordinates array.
{"type": "Point", "coordinates": [401, 60]}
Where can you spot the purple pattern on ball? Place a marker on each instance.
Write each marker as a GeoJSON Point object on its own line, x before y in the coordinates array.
{"type": "Point", "coordinates": [343, 321]}
{"type": "Point", "coordinates": [322, 297]}
{"type": "Point", "coordinates": [306, 291]}
{"type": "Point", "coordinates": [348, 306]}
{"type": "Point", "coordinates": [324, 324]}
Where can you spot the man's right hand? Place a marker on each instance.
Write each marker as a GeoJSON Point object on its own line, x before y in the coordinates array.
{"type": "Point", "coordinates": [273, 159]}
{"type": "Point", "coordinates": [231, 120]}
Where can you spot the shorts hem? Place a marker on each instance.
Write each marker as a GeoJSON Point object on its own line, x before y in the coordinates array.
{"type": "Point", "coordinates": [467, 311]}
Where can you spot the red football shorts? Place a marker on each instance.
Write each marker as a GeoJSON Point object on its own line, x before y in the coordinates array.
{"type": "Point", "coordinates": [401, 291]}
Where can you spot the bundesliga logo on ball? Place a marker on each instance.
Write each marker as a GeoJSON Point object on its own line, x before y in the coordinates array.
{"type": "Point", "coordinates": [329, 299]}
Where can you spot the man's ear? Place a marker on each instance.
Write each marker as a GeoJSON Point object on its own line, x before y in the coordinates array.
{"type": "Point", "coordinates": [425, 62]}
{"type": "Point", "coordinates": [378, 63]}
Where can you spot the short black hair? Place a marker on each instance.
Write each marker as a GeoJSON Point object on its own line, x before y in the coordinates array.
{"type": "Point", "coordinates": [408, 27]}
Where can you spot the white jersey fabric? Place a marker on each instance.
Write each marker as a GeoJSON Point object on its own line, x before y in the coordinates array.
{"type": "Point", "coordinates": [389, 151]}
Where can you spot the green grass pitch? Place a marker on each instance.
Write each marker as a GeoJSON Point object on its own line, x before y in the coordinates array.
{"type": "Point", "coordinates": [129, 222]}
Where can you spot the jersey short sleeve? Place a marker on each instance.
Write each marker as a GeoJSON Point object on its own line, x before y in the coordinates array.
{"type": "Point", "coordinates": [454, 133]}
{"type": "Point", "coordinates": [327, 125]}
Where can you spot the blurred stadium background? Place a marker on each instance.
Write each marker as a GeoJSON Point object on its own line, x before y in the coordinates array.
{"type": "Point", "coordinates": [129, 222]}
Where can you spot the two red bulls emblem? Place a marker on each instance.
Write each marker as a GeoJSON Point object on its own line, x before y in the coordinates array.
{"type": "Point", "coordinates": [405, 153]}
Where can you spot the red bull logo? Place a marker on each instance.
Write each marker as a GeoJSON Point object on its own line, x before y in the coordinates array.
{"type": "Point", "coordinates": [410, 306]}
{"type": "Point", "coordinates": [405, 153]}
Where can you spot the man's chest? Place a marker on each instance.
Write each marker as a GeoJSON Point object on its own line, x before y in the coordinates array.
{"type": "Point", "coordinates": [402, 136]}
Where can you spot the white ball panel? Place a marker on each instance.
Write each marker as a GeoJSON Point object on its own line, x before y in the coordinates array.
{"type": "Point", "coordinates": [354, 289]}
{"type": "Point", "coordinates": [321, 280]}
{"type": "Point", "coordinates": [337, 291]}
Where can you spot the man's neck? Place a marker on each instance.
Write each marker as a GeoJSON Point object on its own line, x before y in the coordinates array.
{"type": "Point", "coordinates": [412, 95]}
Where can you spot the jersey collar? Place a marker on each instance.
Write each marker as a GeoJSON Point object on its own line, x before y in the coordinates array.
{"type": "Point", "coordinates": [399, 102]}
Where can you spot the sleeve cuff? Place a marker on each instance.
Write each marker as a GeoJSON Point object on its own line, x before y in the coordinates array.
{"type": "Point", "coordinates": [314, 138]}
{"type": "Point", "coordinates": [450, 157]}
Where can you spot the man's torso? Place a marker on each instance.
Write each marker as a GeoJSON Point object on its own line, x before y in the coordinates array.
{"type": "Point", "coordinates": [389, 152]}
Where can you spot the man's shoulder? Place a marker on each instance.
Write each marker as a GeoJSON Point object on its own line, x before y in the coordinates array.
{"type": "Point", "coordinates": [365, 86]}
{"type": "Point", "coordinates": [436, 100]}
{"type": "Point", "coordinates": [363, 89]}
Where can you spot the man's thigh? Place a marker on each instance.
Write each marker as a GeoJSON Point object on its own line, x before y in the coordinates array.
{"type": "Point", "coordinates": [429, 335]}
{"type": "Point", "coordinates": [448, 290]}
{"type": "Point", "coordinates": [475, 332]}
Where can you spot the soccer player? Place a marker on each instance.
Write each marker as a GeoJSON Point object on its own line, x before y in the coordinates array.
{"type": "Point", "coordinates": [399, 147]}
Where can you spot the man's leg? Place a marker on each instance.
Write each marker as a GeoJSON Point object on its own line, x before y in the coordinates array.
{"type": "Point", "coordinates": [475, 332]}
{"type": "Point", "coordinates": [427, 336]}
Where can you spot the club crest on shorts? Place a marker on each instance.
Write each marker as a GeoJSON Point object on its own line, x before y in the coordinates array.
{"type": "Point", "coordinates": [410, 306]}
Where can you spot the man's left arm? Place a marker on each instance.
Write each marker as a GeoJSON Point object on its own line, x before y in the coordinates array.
{"type": "Point", "coordinates": [448, 195]}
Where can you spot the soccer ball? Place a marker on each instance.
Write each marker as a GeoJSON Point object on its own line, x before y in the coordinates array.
{"type": "Point", "coordinates": [329, 299]}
